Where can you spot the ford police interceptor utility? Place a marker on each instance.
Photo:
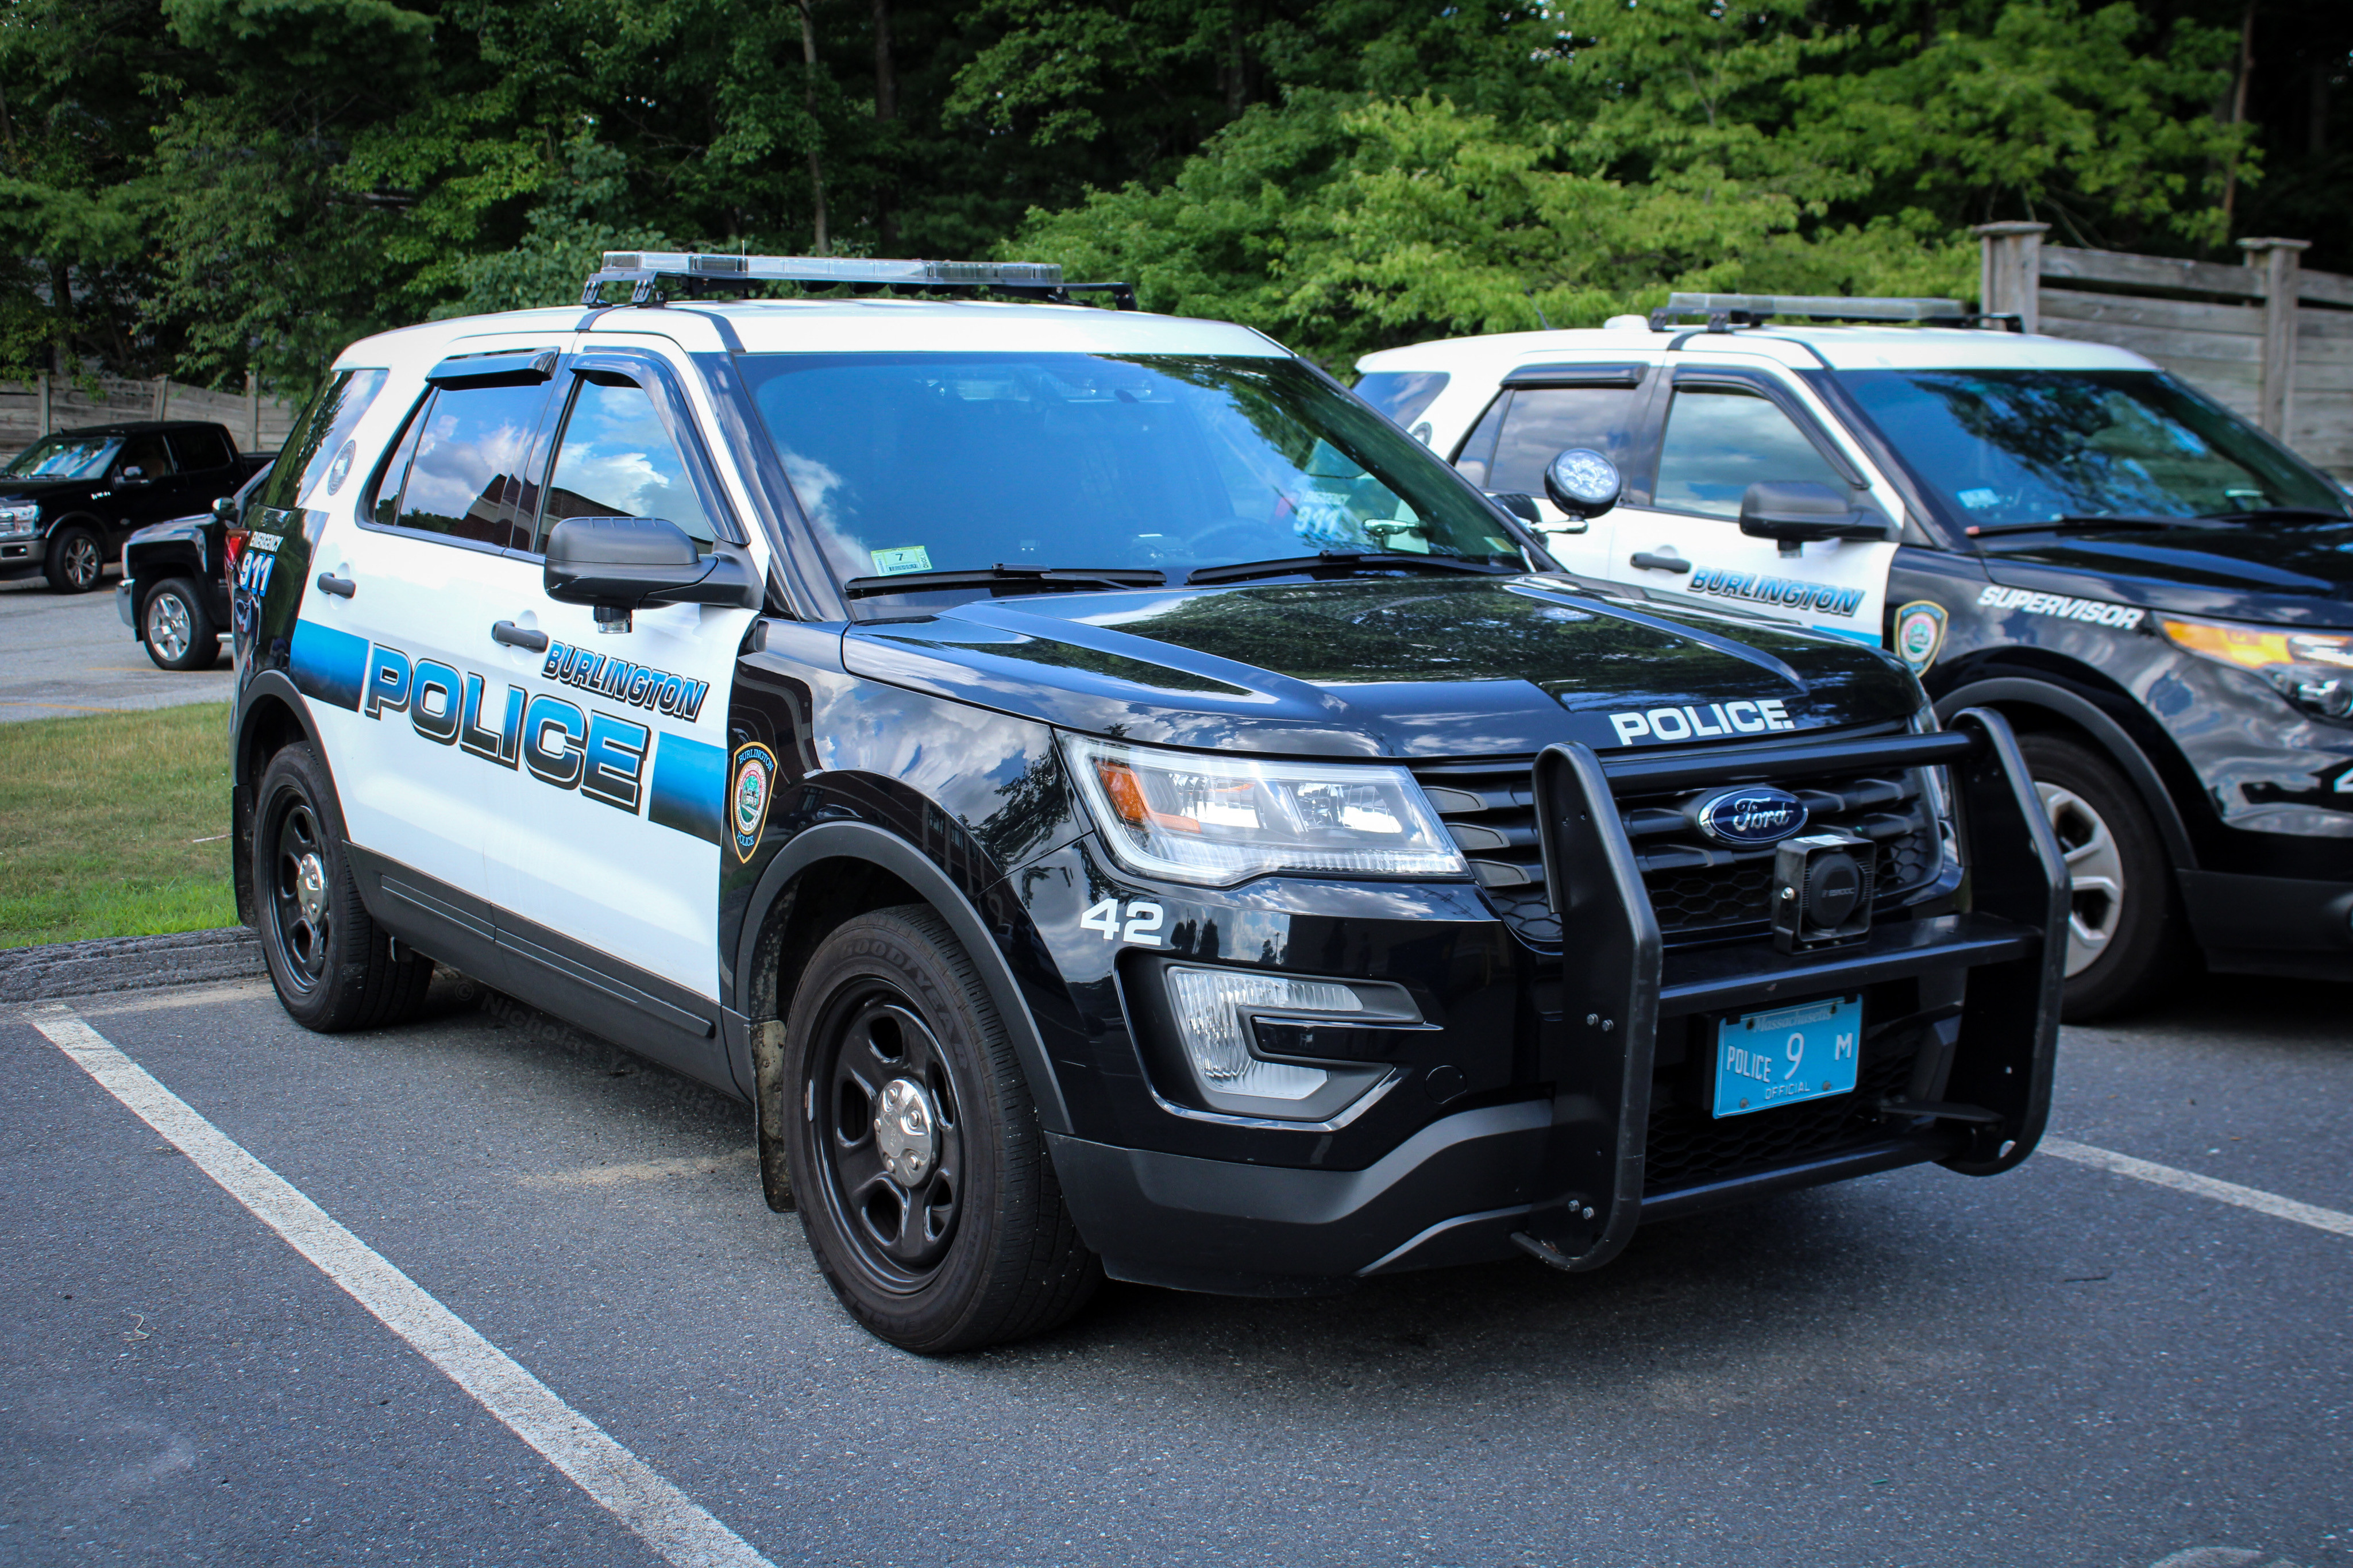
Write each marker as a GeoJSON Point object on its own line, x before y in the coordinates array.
{"type": "Point", "coordinates": [1110, 800]}
{"type": "Point", "coordinates": [2157, 595]}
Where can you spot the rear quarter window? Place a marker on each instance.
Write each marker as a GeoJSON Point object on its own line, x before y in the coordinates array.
{"type": "Point", "coordinates": [313, 463]}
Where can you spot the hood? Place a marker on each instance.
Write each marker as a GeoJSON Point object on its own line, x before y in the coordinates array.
{"type": "Point", "coordinates": [2286, 574]}
{"type": "Point", "coordinates": [44, 489]}
{"type": "Point", "coordinates": [1452, 667]}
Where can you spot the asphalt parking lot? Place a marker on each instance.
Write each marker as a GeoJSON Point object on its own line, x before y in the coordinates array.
{"type": "Point", "coordinates": [2060, 1366]}
{"type": "Point", "coordinates": [62, 654]}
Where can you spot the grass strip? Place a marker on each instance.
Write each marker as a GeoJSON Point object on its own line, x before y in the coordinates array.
{"type": "Point", "coordinates": [100, 820]}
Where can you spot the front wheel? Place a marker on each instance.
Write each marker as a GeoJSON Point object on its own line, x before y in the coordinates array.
{"type": "Point", "coordinates": [922, 1174]}
{"type": "Point", "coordinates": [2125, 939]}
{"type": "Point", "coordinates": [76, 561]}
{"type": "Point", "coordinates": [176, 628]}
{"type": "Point", "coordinates": [333, 968]}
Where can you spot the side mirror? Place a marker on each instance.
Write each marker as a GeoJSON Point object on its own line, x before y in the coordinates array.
{"type": "Point", "coordinates": [225, 511]}
{"type": "Point", "coordinates": [1584, 484]}
{"type": "Point", "coordinates": [1794, 512]}
{"type": "Point", "coordinates": [134, 475]}
{"type": "Point", "coordinates": [619, 564]}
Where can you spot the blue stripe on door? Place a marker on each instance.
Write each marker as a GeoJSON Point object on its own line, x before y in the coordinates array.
{"type": "Point", "coordinates": [328, 665]}
{"type": "Point", "coordinates": [689, 788]}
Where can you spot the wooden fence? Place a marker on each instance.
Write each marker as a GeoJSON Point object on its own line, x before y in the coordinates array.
{"type": "Point", "coordinates": [29, 410]}
{"type": "Point", "coordinates": [2269, 340]}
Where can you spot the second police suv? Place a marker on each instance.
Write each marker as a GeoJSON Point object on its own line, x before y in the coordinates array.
{"type": "Point", "coordinates": [2153, 592]}
{"type": "Point", "coordinates": [1112, 801]}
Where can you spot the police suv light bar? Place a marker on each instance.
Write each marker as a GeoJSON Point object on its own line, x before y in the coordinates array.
{"type": "Point", "coordinates": [1726, 311]}
{"type": "Point", "coordinates": [645, 270]}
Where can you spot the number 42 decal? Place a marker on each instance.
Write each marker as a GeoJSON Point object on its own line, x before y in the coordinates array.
{"type": "Point", "coordinates": [1143, 922]}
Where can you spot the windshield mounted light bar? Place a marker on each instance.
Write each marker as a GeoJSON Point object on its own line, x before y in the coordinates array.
{"type": "Point", "coordinates": [1722, 312]}
{"type": "Point", "coordinates": [647, 270]}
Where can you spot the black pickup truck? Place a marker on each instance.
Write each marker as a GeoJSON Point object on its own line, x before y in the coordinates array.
{"type": "Point", "coordinates": [68, 500]}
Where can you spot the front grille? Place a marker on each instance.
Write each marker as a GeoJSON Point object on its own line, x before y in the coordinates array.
{"type": "Point", "coordinates": [1700, 890]}
{"type": "Point", "coordinates": [1688, 1146]}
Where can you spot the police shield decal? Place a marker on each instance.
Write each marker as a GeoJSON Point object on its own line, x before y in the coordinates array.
{"type": "Point", "coordinates": [753, 780]}
{"type": "Point", "coordinates": [1919, 634]}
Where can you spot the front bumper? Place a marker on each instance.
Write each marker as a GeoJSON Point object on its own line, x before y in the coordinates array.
{"type": "Point", "coordinates": [1611, 1129]}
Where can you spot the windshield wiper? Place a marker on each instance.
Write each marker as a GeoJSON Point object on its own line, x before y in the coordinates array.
{"type": "Point", "coordinates": [1341, 561]}
{"type": "Point", "coordinates": [1036, 579]}
{"type": "Point", "coordinates": [2063, 524]}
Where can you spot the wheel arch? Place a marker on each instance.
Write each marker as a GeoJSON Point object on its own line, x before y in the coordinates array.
{"type": "Point", "coordinates": [271, 715]}
{"type": "Point", "coordinates": [2033, 704]}
{"type": "Point", "coordinates": [834, 871]}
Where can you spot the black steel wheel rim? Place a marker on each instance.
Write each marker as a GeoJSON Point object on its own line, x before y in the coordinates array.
{"type": "Point", "coordinates": [82, 564]}
{"type": "Point", "coordinates": [869, 1036]}
{"type": "Point", "coordinates": [301, 926]}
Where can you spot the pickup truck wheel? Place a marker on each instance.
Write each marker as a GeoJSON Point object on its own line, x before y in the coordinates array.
{"type": "Point", "coordinates": [179, 634]}
{"type": "Point", "coordinates": [922, 1178]}
{"type": "Point", "coordinates": [76, 560]}
{"type": "Point", "coordinates": [332, 966]}
{"type": "Point", "coordinates": [2125, 937]}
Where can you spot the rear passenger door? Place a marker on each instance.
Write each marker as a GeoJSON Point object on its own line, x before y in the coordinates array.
{"type": "Point", "coordinates": [1540, 411]}
{"type": "Point", "coordinates": [606, 865]}
{"type": "Point", "coordinates": [408, 597]}
{"type": "Point", "coordinates": [1723, 430]}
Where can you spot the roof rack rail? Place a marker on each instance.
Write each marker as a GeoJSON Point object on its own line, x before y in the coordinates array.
{"type": "Point", "coordinates": [1722, 312]}
{"type": "Point", "coordinates": [647, 270]}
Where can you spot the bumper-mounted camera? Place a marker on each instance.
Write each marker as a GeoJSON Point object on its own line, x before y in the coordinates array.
{"type": "Point", "coordinates": [1822, 891]}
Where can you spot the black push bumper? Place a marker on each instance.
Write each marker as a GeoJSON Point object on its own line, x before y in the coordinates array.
{"type": "Point", "coordinates": [1567, 1176]}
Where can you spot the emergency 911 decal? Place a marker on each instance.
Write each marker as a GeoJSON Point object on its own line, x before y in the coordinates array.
{"type": "Point", "coordinates": [674, 779]}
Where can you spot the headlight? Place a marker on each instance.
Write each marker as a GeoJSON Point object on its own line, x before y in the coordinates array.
{"type": "Point", "coordinates": [17, 516]}
{"type": "Point", "coordinates": [1198, 818]}
{"type": "Point", "coordinates": [2312, 670]}
{"type": "Point", "coordinates": [1939, 786]}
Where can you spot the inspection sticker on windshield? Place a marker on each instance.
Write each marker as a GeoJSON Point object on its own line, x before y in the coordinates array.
{"type": "Point", "coordinates": [905, 558]}
{"type": "Point", "coordinates": [1786, 1056]}
{"type": "Point", "coordinates": [2123, 618]}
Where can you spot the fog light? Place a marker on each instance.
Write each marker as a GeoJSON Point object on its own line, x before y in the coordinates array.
{"type": "Point", "coordinates": [1213, 1006]}
{"type": "Point", "coordinates": [1822, 891]}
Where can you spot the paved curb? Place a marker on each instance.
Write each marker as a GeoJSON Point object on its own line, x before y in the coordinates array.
{"type": "Point", "coordinates": [129, 964]}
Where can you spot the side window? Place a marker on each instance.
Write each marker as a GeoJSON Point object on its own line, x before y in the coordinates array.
{"type": "Point", "coordinates": [460, 465]}
{"type": "Point", "coordinates": [200, 449]}
{"type": "Point", "coordinates": [315, 452]}
{"type": "Point", "coordinates": [143, 457]}
{"type": "Point", "coordinates": [1479, 446]}
{"type": "Point", "coordinates": [1545, 421]}
{"type": "Point", "coordinates": [1719, 441]}
{"type": "Point", "coordinates": [616, 459]}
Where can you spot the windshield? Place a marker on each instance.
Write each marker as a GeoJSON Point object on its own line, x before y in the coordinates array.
{"type": "Point", "coordinates": [934, 462]}
{"type": "Point", "coordinates": [2030, 446]}
{"type": "Point", "coordinates": [64, 457]}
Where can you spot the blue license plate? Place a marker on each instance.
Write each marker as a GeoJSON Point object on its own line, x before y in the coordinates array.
{"type": "Point", "coordinates": [1789, 1054]}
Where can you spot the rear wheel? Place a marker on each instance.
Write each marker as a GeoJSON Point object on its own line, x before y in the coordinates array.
{"type": "Point", "coordinates": [174, 625]}
{"type": "Point", "coordinates": [922, 1175]}
{"type": "Point", "coordinates": [76, 560]}
{"type": "Point", "coordinates": [334, 967]}
{"type": "Point", "coordinates": [2125, 936]}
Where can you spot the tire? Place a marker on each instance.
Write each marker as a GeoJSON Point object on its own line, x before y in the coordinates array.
{"type": "Point", "coordinates": [174, 629]}
{"type": "Point", "coordinates": [333, 968]}
{"type": "Point", "coordinates": [2126, 934]}
{"type": "Point", "coordinates": [969, 1242]}
{"type": "Point", "coordinates": [76, 562]}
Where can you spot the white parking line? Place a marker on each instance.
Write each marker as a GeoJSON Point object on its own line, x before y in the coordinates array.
{"type": "Point", "coordinates": [2254, 1198]}
{"type": "Point", "coordinates": [666, 1517]}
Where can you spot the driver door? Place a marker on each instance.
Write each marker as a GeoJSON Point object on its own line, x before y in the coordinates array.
{"type": "Point", "coordinates": [1725, 430]}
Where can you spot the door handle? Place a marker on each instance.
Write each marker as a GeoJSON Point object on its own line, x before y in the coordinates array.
{"type": "Point", "coordinates": [1650, 560]}
{"type": "Point", "coordinates": [341, 588]}
{"type": "Point", "coordinates": [515, 635]}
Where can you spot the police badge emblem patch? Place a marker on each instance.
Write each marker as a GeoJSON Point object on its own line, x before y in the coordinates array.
{"type": "Point", "coordinates": [753, 781]}
{"type": "Point", "coordinates": [1919, 634]}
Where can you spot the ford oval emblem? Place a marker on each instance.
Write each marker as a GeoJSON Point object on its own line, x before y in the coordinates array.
{"type": "Point", "coordinates": [1749, 818]}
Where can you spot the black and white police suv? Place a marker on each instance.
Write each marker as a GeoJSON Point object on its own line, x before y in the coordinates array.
{"type": "Point", "coordinates": [1112, 802]}
{"type": "Point", "coordinates": [2157, 595]}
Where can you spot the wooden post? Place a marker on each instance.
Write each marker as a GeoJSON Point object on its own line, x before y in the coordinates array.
{"type": "Point", "coordinates": [48, 418]}
{"type": "Point", "coordinates": [2275, 264]}
{"type": "Point", "coordinates": [162, 397]}
{"type": "Point", "coordinates": [252, 413]}
{"type": "Point", "coordinates": [2009, 272]}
